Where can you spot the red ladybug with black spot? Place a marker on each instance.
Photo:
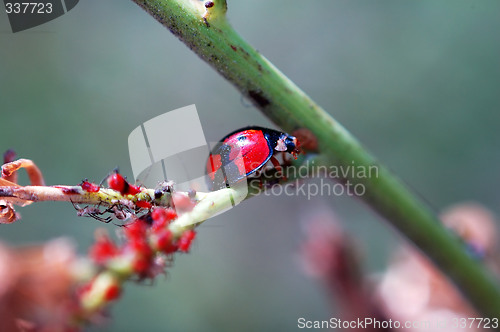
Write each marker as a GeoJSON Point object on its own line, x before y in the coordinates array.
{"type": "Point", "coordinates": [244, 151]}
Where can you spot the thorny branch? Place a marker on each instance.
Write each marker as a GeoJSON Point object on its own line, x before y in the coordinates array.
{"type": "Point", "coordinates": [204, 28]}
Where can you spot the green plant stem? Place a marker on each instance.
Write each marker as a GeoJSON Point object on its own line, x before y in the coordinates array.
{"type": "Point", "coordinates": [215, 41]}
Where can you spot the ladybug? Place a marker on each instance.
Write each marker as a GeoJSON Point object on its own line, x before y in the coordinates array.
{"type": "Point", "coordinates": [244, 151]}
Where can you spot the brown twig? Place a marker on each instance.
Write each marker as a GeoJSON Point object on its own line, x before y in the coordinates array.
{"type": "Point", "coordinates": [9, 171]}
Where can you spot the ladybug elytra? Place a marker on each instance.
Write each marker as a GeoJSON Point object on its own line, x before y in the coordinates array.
{"type": "Point", "coordinates": [244, 151]}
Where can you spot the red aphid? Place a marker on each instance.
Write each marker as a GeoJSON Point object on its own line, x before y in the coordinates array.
{"type": "Point", "coordinates": [185, 240]}
{"type": "Point", "coordinates": [143, 204]}
{"type": "Point", "coordinates": [117, 182]}
{"type": "Point", "coordinates": [132, 190]}
{"type": "Point", "coordinates": [89, 186]}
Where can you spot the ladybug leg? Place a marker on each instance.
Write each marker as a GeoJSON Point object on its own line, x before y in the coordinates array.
{"type": "Point", "coordinates": [258, 173]}
{"type": "Point", "coordinates": [278, 167]}
{"type": "Point", "coordinates": [285, 159]}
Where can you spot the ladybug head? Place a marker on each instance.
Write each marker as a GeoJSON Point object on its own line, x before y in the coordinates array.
{"type": "Point", "coordinates": [287, 143]}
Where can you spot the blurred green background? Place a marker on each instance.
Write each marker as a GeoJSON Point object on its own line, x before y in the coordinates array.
{"type": "Point", "coordinates": [418, 82]}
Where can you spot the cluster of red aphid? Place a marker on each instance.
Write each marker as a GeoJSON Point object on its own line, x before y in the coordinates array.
{"type": "Point", "coordinates": [145, 236]}
{"type": "Point", "coordinates": [117, 182]}
{"type": "Point", "coordinates": [89, 186]}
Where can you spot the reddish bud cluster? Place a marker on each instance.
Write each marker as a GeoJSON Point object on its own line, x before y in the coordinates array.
{"type": "Point", "coordinates": [138, 244]}
{"type": "Point", "coordinates": [112, 292]}
{"type": "Point", "coordinates": [143, 258]}
{"type": "Point", "coordinates": [145, 236]}
{"type": "Point", "coordinates": [163, 238]}
{"type": "Point", "coordinates": [117, 182]}
{"type": "Point", "coordinates": [89, 186]}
